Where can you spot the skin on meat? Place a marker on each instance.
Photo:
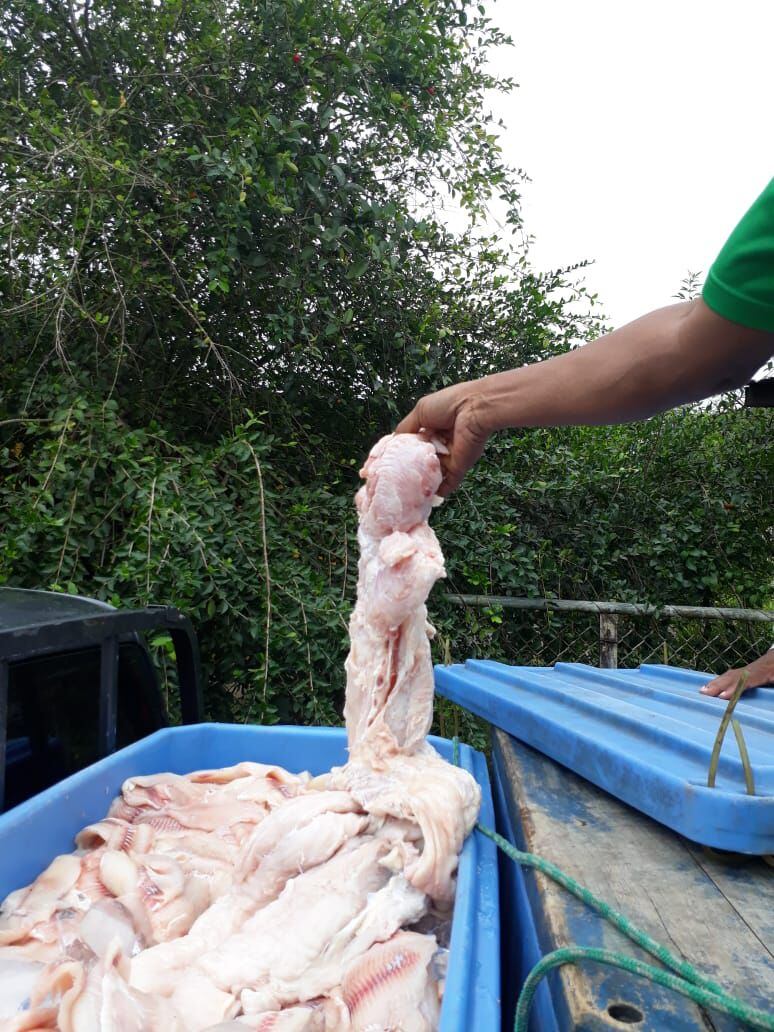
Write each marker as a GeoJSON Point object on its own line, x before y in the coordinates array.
{"type": "Point", "coordinates": [424, 790]}
{"type": "Point", "coordinates": [392, 770]}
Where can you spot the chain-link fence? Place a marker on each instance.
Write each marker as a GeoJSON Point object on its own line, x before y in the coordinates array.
{"type": "Point", "coordinates": [541, 632]}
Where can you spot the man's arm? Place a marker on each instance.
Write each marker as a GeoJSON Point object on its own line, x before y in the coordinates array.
{"type": "Point", "coordinates": [675, 355]}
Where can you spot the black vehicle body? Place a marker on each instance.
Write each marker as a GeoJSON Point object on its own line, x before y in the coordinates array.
{"type": "Point", "coordinates": [77, 682]}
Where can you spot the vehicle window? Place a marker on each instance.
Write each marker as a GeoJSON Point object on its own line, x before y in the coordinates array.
{"type": "Point", "coordinates": [53, 714]}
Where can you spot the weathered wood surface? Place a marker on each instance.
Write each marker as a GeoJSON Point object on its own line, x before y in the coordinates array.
{"type": "Point", "coordinates": [718, 916]}
{"type": "Point", "coordinates": [608, 641]}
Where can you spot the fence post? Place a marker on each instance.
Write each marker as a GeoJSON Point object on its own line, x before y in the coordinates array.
{"type": "Point", "coordinates": [608, 640]}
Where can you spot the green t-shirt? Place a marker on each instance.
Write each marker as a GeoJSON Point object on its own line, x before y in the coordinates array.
{"type": "Point", "coordinates": [740, 284]}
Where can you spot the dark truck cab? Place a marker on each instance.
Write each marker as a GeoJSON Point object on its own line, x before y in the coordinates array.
{"type": "Point", "coordinates": [77, 682]}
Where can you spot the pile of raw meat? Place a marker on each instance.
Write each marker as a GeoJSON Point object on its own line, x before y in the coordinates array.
{"type": "Point", "coordinates": [252, 898]}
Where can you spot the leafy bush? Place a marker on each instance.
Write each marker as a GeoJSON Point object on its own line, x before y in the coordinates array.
{"type": "Point", "coordinates": [265, 566]}
{"type": "Point", "coordinates": [226, 274]}
{"type": "Point", "coordinates": [215, 207]}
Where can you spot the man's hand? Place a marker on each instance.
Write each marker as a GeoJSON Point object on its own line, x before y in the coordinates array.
{"type": "Point", "coordinates": [456, 416]}
{"type": "Point", "coordinates": [759, 672]}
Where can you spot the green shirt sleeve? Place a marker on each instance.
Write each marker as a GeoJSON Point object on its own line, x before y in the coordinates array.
{"type": "Point", "coordinates": [740, 284]}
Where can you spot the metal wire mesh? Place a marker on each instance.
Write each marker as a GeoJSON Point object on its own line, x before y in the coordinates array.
{"type": "Point", "coordinates": [711, 645]}
{"type": "Point", "coordinates": [538, 638]}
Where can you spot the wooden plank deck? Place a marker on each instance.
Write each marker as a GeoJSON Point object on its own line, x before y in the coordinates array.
{"type": "Point", "coordinates": [717, 915]}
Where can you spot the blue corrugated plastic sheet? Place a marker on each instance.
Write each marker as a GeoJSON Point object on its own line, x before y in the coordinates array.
{"type": "Point", "coordinates": [33, 833]}
{"type": "Point", "coordinates": [643, 735]}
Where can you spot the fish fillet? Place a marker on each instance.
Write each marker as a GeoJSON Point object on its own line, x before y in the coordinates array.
{"type": "Point", "coordinates": [388, 988]}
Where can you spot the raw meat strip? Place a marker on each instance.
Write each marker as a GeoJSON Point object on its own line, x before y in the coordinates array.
{"type": "Point", "coordinates": [36, 904]}
{"type": "Point", "coordinates": [426, 791]}
{"type": "Point", "coordinates": [117, 834]}
{"type": "Point", "coordinates": [208, 800]}
{"type": "Point", "coordinates": [294, 815]}
{"type": "Point", "coordinates": [392, 770]}
{"type": "Point", "coordinates": [389, 701]}
{"type": "Point", "coordinates": [284, 939]}
{"type": "Point", "coordinates": [302, 849]}
{"type": "Point", "coordinates": [389, 986]}
{"type": "Point", "coordinates": [158, 969]}
{"type": "Point", "coordinates": [396, 904]}
{"type": "Point", "coordinates": [96, 998]}
{"type": "Point", "coordinates": [292, 847]}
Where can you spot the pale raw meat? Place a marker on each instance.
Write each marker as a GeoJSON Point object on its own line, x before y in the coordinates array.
{"type": "Point", "coordinates": [117, 834]}
{"type": "Point", "coordinates": [388, 986]}
{"type": "Point", "coordinates": [283, 940]}
{"type": "Point", "coordinates": [229, 801]}
{"type": "Point", "coordinates": [201, 1001]}
{"type": "Point", "coordinates": [392, 770]}
{"type": "Point", "coordinates": [158, 969]}
{"type": "Point", "coordinates": [290, 818]}
{"type": "Point", "coordinates": [324, 1015]}
{"type": "Point", "coordinates": [35, 905]}
{"type": "Point", "coordinates": [425, 790]}
{"type": "Point", "coordinates": [302, 849]}
{"type": "Point", "coordinates": [396, 904]}
{"type": "Point", "coordinates": [389, 701]}
{"type": "Point", "coordinates": [96, 998]}
{"type": "Point", "coordinates": [402, 474]}
{"type": "Point", "coordinates": [251, 898]}
{"type": "Point", "coordinates": [17, 981]}
{"type": "Point", "coordinates": [210, 857]}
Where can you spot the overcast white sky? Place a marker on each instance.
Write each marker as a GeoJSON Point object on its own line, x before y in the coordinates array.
{"type": "Point", "coordinates": [646, 129]}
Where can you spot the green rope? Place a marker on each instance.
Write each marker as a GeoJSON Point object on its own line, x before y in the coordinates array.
{"type": "Point", "coordinates": [574, 954]}
{"type": "Point", "coordinates": [686, 979]}
{"type": "Point", "coordinates": [623, 924]}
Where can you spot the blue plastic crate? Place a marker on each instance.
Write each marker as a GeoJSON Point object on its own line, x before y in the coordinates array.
{"type": "Point", "coordinates": [643, 735]}
{"type": "Point", "coordinates": [44, 826]}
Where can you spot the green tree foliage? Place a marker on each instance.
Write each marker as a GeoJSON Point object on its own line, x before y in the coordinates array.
{"type": "Point", "coordinates": [208, 205]}
{"type": "Point", "coordinates": [225, 273]}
